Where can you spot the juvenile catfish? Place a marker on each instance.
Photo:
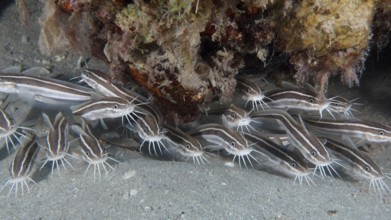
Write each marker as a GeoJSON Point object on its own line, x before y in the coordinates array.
{"type": "Point", "coordinates": [93, 152]}
{"type": "Point", "coordinates": [251, 93]}
{"type": "Point", "coordinates": [298, 100]}
{"type": "Point", "coordinates": [362, 164]}
{"type": "Point", "coordinates": [237, 118]}
{"type": "Point", "coordinates": [21, 166]}
{"type": "Point", "coordinates": [149, 130]}
{"type": "Point", "coordinates": [186, 145]}
{"type": "Point", "coordinates": [307, 143]}
{"type": "Point", "coordinates": [364, 131]}
{"type": "Point", "coordinates": [103, 86]}
{"type": "Point", "coordinates": [107, 107]}
{"type": "Point", "coordinates": [46, 91]}
{"type": "Point", "coordinates": [57, 142]}
{"type": "Point", "coordinates": [218, 137]}
{"type": "Point", "coordinates": [289, 162]}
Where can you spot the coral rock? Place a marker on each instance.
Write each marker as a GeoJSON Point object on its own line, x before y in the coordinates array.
{"type": "Point", "coordinates": [328, 37]}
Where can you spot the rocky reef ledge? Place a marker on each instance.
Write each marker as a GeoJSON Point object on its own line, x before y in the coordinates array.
{"type": "Point", "coordinates": [188, 52]}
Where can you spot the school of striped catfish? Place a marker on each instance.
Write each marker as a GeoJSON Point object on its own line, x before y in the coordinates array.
{"type": "Point", "coordinates": [292, 130]}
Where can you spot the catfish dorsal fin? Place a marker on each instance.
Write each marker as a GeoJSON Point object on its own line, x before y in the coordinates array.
{"type": "Point", "coordinates": [288, 85]}
{"type": "Point", "coordinates": [58, 116]}
{"type": "Point", "coordinates": [309, 87]}
{"type": "Point", "coordinates": [73, 141]}
{"type": "Point", "coordinates": [302, 124]}
{"type": "Point", "coordinates": [12, 69]}
{"type": "Point", "coordinates": [47, 121]}
{"type": "Point", "coordinates": [348, 141]}
{"type": "Point", "coordinates": [103, 123]}
{"type": "Point", "coordinates": [78, 130]}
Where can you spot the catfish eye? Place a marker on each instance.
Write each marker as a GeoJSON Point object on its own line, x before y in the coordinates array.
{"type": "Point", "coordinates": [26, 167]}
{"type": "Point", "coordinates": [115, 106]}
{"type": "Point", "coordinates": [381, 133]}
{"type": "Point", "coordinates": [366, 168]}
{"type": "Point", "coordinates": [313, 153]}
{"type": "Point", "coordinates": [233, 115]}
{"type": "Point", "coordinates": [233, 144]}
{"type": "Point", "coordinates": [87, 153]}
{"type": "Point", "coordinates": [312, 100]}
{"type": "Point", "coordinates": [293, 165]}
{"type": "Point", "coordinates": [187, 146]}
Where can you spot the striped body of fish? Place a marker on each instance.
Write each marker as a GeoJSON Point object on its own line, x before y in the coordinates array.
{"type": "Point", "coordinates": [44, 90]}
{"type": "Point", "coordinates": [103, 86]}
{"type": "Point", "coordinates": [218, 137]}
{"type": "Point", "coordinates": [307, 143]}
{"type": "Point", "coordinates": [362, 164]}
{"type": "Point", "coordinates": [149, 130]}
{"type": "Point", "coordinates": [251, 93]}
{"type": "Point", "coordinates": [93, 152]}
{"type": "Point", "coordinates": [298, 100]}
{"type": "Point", "coordinates": [186, 145]}
{"type": "Point", "coordinates": [107, 107]}
{"type": "Point", "coordinates": [57, 146]}
{"type": "Point", "coordinates": [289, 162]}
{"type": "Point", "coordinates": [368, 131]}
{"type": "Point", "coordinates": [22, 165]}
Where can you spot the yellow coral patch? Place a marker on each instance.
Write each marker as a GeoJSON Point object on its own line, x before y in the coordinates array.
{"type": "Point", "coordinates": [327, 25]}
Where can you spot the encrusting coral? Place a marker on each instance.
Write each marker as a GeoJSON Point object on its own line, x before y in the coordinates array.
{"type": "Point", "coordinates": [327, 37]}
{"type": "Point", "coordinates": [187, 53]}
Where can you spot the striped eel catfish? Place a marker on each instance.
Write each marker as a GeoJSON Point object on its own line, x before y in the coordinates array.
{"type": "Point", "coordinates": [251, 93]}
{"type": "Point", "coordinates": [218, 137]}
{"type": "Point", "coordinates": [57, 142]}
{"type": "Point", "coordinates": [149, 130]}
{"type": "Point", "coordinates": [363, 165]}
{"type": "Point", "coordinates": [93, 151]}
{"type": "Point", "coordinates": [237, 118]}
{"type": "Point", "coordinates": [186, 145]}
{"type": "Point", "coordinates": [44, 90]}
{"type": "Point", "coordinates": [107, 107]}
{"type": "Point", "coordinates": [301, 100]}
{"type": "Point", "coordinates": [21, 166]}
{"type": "Point", "coordinates": [307, 143]}
{"type": "Point", "coordinates": [289, 162]}
{"type": "Point", "coordinates": [103, 86]}
{"type": "Point", "coordinates": [362, 130]}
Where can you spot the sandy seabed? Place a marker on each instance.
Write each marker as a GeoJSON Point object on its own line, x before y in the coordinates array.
{"type": "Point", "coordinates": [144, 188]}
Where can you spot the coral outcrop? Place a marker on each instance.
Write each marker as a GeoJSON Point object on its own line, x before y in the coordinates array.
{"type": "Point", "coordinates": [187, 52]}
{"type": "Point", "coordinates": [327, 37]}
